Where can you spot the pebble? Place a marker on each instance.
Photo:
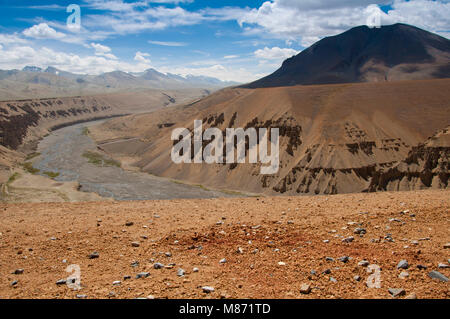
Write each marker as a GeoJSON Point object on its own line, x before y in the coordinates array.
{"type": "Point", "coordinates": [135, 244]}
{"type": "Point", "coordinates": [168, 254]}
{"type": "Point", "coordinates": [344, 259]}
{"type": "Point", "coordinates": [18, 271]}
{"type": "Point", "coordinates": [327, 271]}
{"type": "Point", "coordinates": [403, 264]}
{"type": "Point", "coordinates": [359, 231]}
{"type": "Point", "coordinates": [411, 296]}
{"type": "Point", "coordinates": [61, 282]}
{"type": "Point", "coordinates": [437, 275]}
{"type": "Point", "coordinates": [14, 283]}
{"type": "Point", "coordinates": [397, 292]}
{"type": "Point", "coordinates": [363, 263]}
{"type": "Point", "coordinates": [421, 267]}
{"type": "Point", "coordinates": [280, 263]}
{"type": "Point", "coordinates": [116, 283]}
{"type": "Point", "coordinates": [158, 266]}
{"type": "Point", "coordinates": [348, 239]}
{"type": "Point", "coordinates": [81, 296]}
{"type": "Point", "coordinates": [240, 250]}
{"type": "Point", "coordinates": [195, 269]}
{"type": "Point", "coordinates": [180, 272]}
{"type": "Point", "coordinates": [135, 264]}
{"type": "Point", "coordinates": [305, 289]}
{"type": "Point", "coordinates": [222, 261]}
{"type": "Point", "coordinates": [94, 255]}
{"type": "Point", "coordinates": [128, 224]}
{"type": "Point", "coordinates": [333, 280]}
{"type": "Point", "coordinates": [447, 246]}
{"type": "Point", "coordinates": [207, 289]}
{"type": "Point", "coordinates": [329, 259]}
{"type": "Point", "coordinates": [127, 277]}
{"type": "Point", "coordinates": [403, 275]}
{"type": "Point", "coordinates": [357, 278]}
{"type": "Point", "coordinates": [142, 275]}
{"type": "Point", "coordinates": [443, 266]}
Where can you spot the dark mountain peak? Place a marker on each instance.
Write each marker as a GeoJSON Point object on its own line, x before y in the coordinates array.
{"type": "Point", "coordinates": [364, 54]}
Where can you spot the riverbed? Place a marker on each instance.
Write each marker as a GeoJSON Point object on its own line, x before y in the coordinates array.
{"type": "Point", "coordinates": [62, 153]}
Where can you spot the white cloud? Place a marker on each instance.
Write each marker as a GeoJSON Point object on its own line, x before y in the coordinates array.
{"type": "Point", "coordinates": [142, 57]}
{"type": "Point", "coordinates": [102, 50]}
{"type": "Point", "coordinates": [168, 44]}
{"type": "Point", "coordinates": [11, 39]}
{"type": "Point", "coordinates": [275, 53]}
{"type": "Point", "coordinates": [308, 21]}
{"type": "Point", "coordinates": [231, 57]}
{"type": "Point", "coordinates": [43, 31]}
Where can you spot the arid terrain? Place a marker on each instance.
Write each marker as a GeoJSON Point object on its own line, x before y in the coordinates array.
{"type": "Point", "coordinates": [271, 246]}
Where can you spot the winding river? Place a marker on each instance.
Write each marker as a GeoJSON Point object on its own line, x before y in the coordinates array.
{"type": "Point", "coordinates": [62, 152]}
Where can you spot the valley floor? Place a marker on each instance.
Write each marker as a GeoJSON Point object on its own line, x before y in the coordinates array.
{"type": "Point", "coordinates": [271, 246]}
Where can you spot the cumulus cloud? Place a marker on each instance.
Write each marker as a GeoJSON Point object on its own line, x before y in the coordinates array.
{"type": "Point", "coordinates": [102, 50]}
{"type": "Point", "coordinates": [142, 57]}
{"type": "Point", "coordinates": [308, 21]}
{"type": "Point", "coordinates": [275, 53]}
{"type": "Point", "coordinates": [43, 31]}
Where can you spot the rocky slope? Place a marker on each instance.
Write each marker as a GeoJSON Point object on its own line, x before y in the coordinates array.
{"type": "Point", "coordinates": [390, 53]}
{"type": "Point", "coordinates": [333, 138]}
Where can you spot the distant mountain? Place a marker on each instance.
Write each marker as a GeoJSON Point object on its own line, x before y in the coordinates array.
{"type": "Point", "coordinates": [34, 81]}
{"type": "Point", "coordinates": [362, 54]}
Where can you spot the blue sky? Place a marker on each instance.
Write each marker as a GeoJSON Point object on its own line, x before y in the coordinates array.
{"type": "Point", "coordinates": [228, 39]}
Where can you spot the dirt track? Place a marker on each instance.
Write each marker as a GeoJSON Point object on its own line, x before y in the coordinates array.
{"type": "Point", "coordinates": [199, 233]}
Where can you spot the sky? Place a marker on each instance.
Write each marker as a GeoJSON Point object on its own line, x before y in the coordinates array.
{"type": "Point", "coordinates": [228, 39]}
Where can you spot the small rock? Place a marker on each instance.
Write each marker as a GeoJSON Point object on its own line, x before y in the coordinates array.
{"type": "Point", "coordinates": [14, 283]}
{"type": "Point", "coordinates": [222, 261]}
{"type": "Point", "coordinates": [348, 239]}
{"type": "Point", "coordinates": [344, 259]}
{"type": "Point", "coordinates": [326, 241]}
{"type": "Point", "coordinates": [158, 266]}
{"type": "Point", "coordinates": [195, 269]}
{"type": "Point", "coordinates": [305, 289]}
{"type": "Point", "coordinates": [397, 292]}
{"type": "Point", "coordinates": [327, 271]}
{"type": "Point", "coordinates": [135, 264]}
{"type": "Point", "coordinates": [411, 296]}
{"type": "Point", "coordinates": [135, 244]}
{"type": "Point", "coordinates": [81, 296]}
{"type": "Point", "coordinates": [168, 254]}
{"type": "Point", "coordinates": [180, 272]}
{"type": "Point", "coordinates": [207, 289]}
{"type": "Point", "coordinates": [240, 250]}
{"type": "Point", "coordinates": [363, 263]}
{"type": "Point", "coordinates": [359, 231]}
{"type": "Point", "coordinates": [94, 255]}
{"type": "Point", "coordinates": [333, 280]}
{"type": "Point", "coordinates": [18, 271]}
{"type": "Point", "coordinates": [421, 267]}
{"type": "Point", "coordinates": [447, 246]}
{"type": "Point", "coordinates": [403, 275]}
{"type": "Point", "coordinates": [280, 263]}
{"type": "Point", "coordinates": [415, 242]}
{"type": "Point", "coordinates": [403, 264]}
{"type": "Point", "coordinates": [117, 283]}
{"type": "Point", "coordinates": [443, 266]}
{"type": "Point", "coordinates": [437, 275]}
{"type": "Point", "coordinates": [127, 277]}
{"type": "Point", "coordinates": [357, 278]}
{"type": "Point", "coordinates": [128, 224]}
{"type": "Point", "coordinates": [329, 259]}
{"type": "Point", "coordinates": [142, 275]}
{"type": "Point", "coordinates": [61, 282]}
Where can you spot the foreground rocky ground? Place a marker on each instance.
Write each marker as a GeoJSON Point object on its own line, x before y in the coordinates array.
{"type": "Point", "coordinates": [280, 247]}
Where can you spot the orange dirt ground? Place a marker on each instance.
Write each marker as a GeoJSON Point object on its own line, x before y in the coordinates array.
{"type": "Point", "coordinates": [38, 238]}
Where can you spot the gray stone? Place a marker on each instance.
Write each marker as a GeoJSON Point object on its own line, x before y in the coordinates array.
{"type": "Point", "coordinates": [397, 292]}
{"type": "Point", "coordinates": [61, 282]}
{"type": "Point", "coordinates": [180, 272]}
{"type": "Point", "coordinates": [126, 277]}
{"type": "Point", "coordinates": [443, 266]}
{"type": "Point", "coordinates": [94, 255]}
{"type": "Point", "coordinates": [344, 259]}
{"type": "Point", "coordinates": [81, 296]}
{"type": "Point", "coordinates": [363, 263]}
{"type": "Point", "coordinates": [168, 254]}
{"type": "Point", "coordinates": [14, 283]}
{"type": "Point", "coordinates": [158, 266]}
{"type": "Point", "coordinates": [327, 271]}
{"type": "Point", "coordinates": [329, 259]}
{"type": "Point", "coordinates": [421, 267]}
{"type": "Point", "coordinates": [357, 278]}
{"type": "Point", "coordinates": [403, 264]}
{"type": "Point", "coordinates": [128, 224]}
{"type": "Point", "coordinates": [403, 275]}
{"type": "Point", "coordinates": [333, 280]}
{"type": "Point", "coordinates": [117, 283]}
{"type": "Point", "coordinates": [18, 271]}
{"type": "Point", "coordinates": [348, 239]}
{"type": "Point", "coordinates": [359, 231]}
{"type": "Point", "coordinates": [195, 269]}
{"type": "Point", "coordinates": [437, 275]}
{"type": "Point", "coordinates": [207, 289]}
{"type": "Point", "coordinates": [142, 275]}
{"type": "Point", "coordinates": [222, 261]}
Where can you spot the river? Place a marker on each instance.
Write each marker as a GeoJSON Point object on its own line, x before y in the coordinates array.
{"type": "Point", "coordinates": [62, 152]}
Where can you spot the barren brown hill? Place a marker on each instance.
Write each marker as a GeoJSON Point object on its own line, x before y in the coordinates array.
{"type": "Point", "coordinates": [24, 122]}
{"type": "Point", "coordinates": [333, 138]}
